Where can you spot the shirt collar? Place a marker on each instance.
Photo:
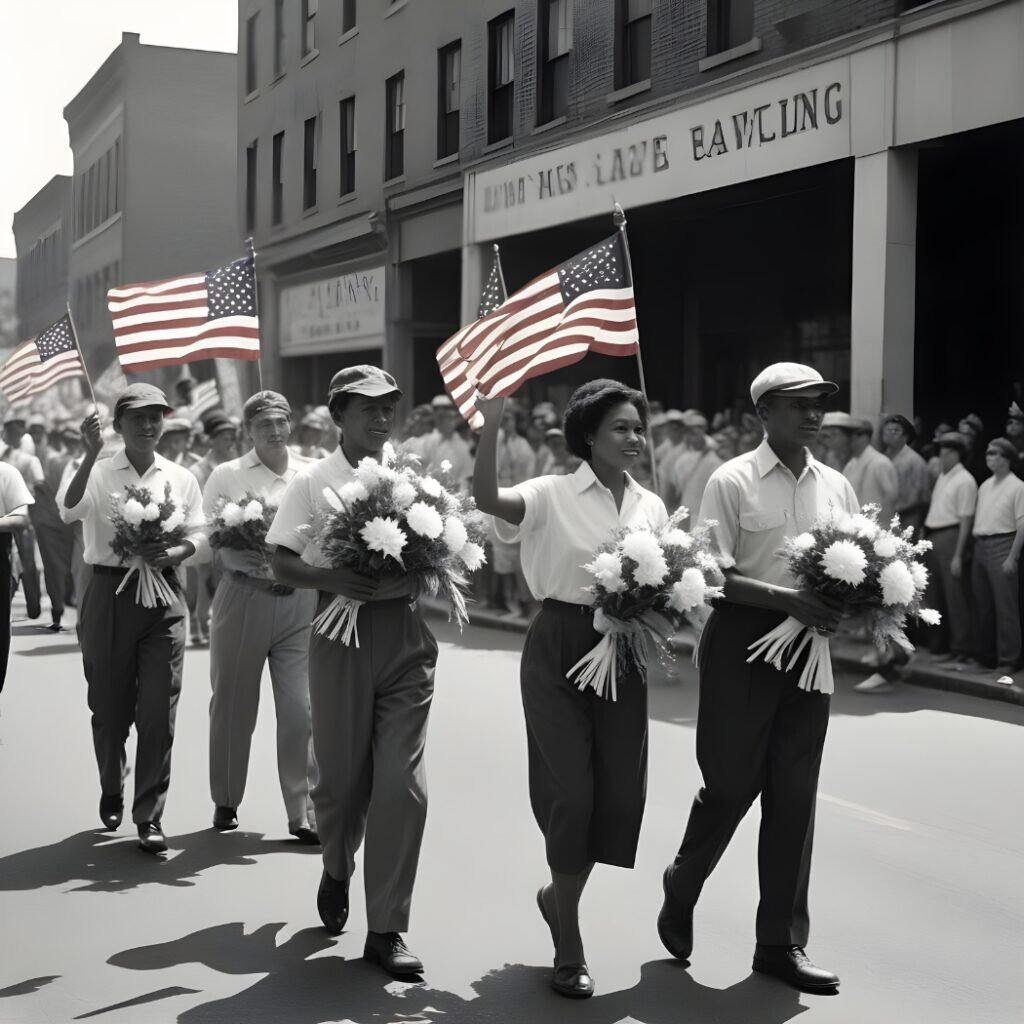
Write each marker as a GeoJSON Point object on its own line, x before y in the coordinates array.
{"type": "Point", "coordinates": [767, 460]}
{"type": "Point", "coordinates": [585, 477]}
{"type": "Point", "coordinates": [250, 460]}
{"type": "Point", "coordinates": [119, 460]}
{"type": "Point", "coordinates": [338, 457]}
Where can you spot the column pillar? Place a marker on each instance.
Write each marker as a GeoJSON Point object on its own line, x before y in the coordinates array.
{"type": "Point", "coordinates": [884, 271]}
{"type": "Point", "coordinates": [476, 265]}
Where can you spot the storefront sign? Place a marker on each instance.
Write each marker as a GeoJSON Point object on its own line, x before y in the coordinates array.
{"type": "Point", "coordinates": [333, 314]}
{"type": "Point", "coordinates": [794, 121]}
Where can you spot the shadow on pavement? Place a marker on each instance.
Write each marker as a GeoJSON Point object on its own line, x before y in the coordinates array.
{"type": "Point", "coordinates": [112, 862]}
{"type": "Point", "coordinates": [26, 988]}
{"type": "Point", "coordinates": [35, 652]}
{"type": "Point", "coordinates": [148, 997]}
{"type": "Point", "coordinates": [301, 990]}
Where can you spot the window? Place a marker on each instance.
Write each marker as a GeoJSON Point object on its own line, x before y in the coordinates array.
{"type": "Point", "coordinates": [278, 37]}
{"type": "Point", "coordinates": [730, 23]}
{"type": "Point", "coordinates": [449, 85]}
{"type": "Point", "coordinates": [309, 8]}
{"type": "Point", "coordinates": [634, 41]}
{"type": "Point", "coordinates": [251, 79]}
{"type": "Point", "coordinates": [309, 148]}
{"type": "Point", "coordinates": [555, 47]}
{"type": "Point", "coordinates": [251, 170]}
{"type": "Point", "coordinates": [111, 177]}
{"type": "Point", "coordinates": [347, 123]}
{"type": "Point", "coordinates": [348, 15]}
{"type": "Point", "coordinates": [277, 196]}
{"type": "Point", "coordinates": [501, 77]}
{"type": "Point", "coordinates": [117, 175]}
{"type": "Point", "coordinates": [394, 157]}
{"type": "Point", "coordinates": [105, 198]}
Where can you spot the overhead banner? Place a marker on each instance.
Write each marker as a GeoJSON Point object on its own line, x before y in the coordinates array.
{"type": "Point", "coordinates": [333, 314]}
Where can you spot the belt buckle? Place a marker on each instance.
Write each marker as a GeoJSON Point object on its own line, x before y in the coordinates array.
{"type": "Point", "coordinates": [278, 588]}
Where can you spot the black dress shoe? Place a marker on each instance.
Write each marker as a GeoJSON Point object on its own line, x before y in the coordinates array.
{"type": "Point", "coordinates": [306, 835]}
{"type": "Point", "coordinates": [151, 837]}
{"type": "Point", "coordinates": [675, 923]}
{"type": "Point", "coordinates": [111, 810]}
{"type": "Point", "coordinates": [225, 818]}
{"type": "Point", "coordinates": [572, 981]}
{"type": "Point", "coordinates": [332, 903]}
{"type": "Point", "coordinates": [793, 965]}
{"type": "Point", "coordinates": [390, 951]}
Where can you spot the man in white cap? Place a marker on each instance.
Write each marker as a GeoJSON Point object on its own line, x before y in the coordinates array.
{"type": "Point", "coordinates": [871, 474]}
{"type": "Point", "coordinates": [445, 445]}
{"type": "Point", "coordinates": [758, 733]}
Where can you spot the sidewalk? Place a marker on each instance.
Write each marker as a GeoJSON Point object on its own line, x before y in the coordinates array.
{"type": "Point", "coordinates": [922, 670]}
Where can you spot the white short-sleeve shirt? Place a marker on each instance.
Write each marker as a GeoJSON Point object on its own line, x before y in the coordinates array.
{"type": "Point", "coordinates": [567, 519]}
{"type": "Point", "coordinates": [14, 493]}
{"type": "Point", "coordinates": [1000, 506]}
{"type": "Point", "coordinates": [955, 496]}
{"type": "Point", "coordinates": [757, 503]}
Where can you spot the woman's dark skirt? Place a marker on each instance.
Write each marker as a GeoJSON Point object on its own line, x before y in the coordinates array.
{"type": "Point", "coordinates": [587, 754]}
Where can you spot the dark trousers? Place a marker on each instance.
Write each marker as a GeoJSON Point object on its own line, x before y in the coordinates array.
{"type": "Point", "coordinates": [587, 754]}
{"type": "Point", "coordinates": [55, 543]}
{"type": "Point", "coordinates": [758, 733]}
{"type": "Point", "coordinates": [995, 594]}
{"type": "Point", "coordinates": [948, 594]}
{"type": "Point", "coordinates": [133, 661]}
{"type": "Point", "coordinates": [25, 540]}
{"type": "Point", "coordinates": [5, 605]}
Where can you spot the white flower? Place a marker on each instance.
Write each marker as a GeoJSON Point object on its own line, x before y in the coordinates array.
{"type": "Point", "coordinates": [922, 547]}
{"type": "Point", "coordinates": [446, 466]}
{"type": "Point", "coordinates": [920, 576]}
{"type": "Point", "coordinates": [151, 512]}
{"type": "Point", "coordinates": [173, 521]}
{"type": "Point", "coordinates": [353, 491]}
{"type": "Point", "coordinates": [132, 511]}
{"type": "Point", "coordinates": [404, 494]}
{"type": "Point", "coordinates": [651, 572]}
{"type": "Point", "coordinates": [677, 539]}
{"type": "Point", "coordinates": [388, 454]}
{"type": "Point", "coordinates": [641, 546]}
{"type": "Point", "coordinates": [252, 512]}
{"type": "Point", "coordinates": [804, 542]}
{"type": "Point", "coordinates": [688, 591]}
{"type": "Point", "coordinates": [607, 570]}
{"type": "Point", "coordinates": [709, 563]}
{"type": "Point", "coordinates": [897, 584]}
{"type": "Point", "coordinates": [886, 546]}
{"type": "Point", "coordinates": [369, 473]}
{"type": "Point", "coordinates": [929, 616]}
{"type": "Point", "coordinates": [425, 520]}
{"type": "Point", "coordinates": [385, 536]}
{"type": "Point", "coordinates": [859, 525]}
{"type": "Point", "coordinates": [844, 560]}
{"type": "Point", "coordinates": [455, 536]}
{"type": "Point", "coordinates": [232, 514]}
{"type": "Point", "coordinates": [430, 486]}
{"type": "Point", "coordinates": [472, 556]}
{"type": "Point", "coordinates": [725, 561]}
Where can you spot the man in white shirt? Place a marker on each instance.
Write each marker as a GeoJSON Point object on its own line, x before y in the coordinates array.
{"type": "Point", "coordinates": [132, 654]}
{"type": "Point", "coordinates": [914, 484]}
{"type": "Point", "coordinates": [948, 527]}
{"type": "Point", "coordinates": [871, 474]}
{"type": "Point", "coordinates": [255, 621]}
{"type": "Point", "coordinates": [31, 471]}
{"type": "Point", "coordinates": [692, 470]}
{"type": "Point", "coordinates": [15, 499]}
{"type": "Point", "coordinates": [443, 444]}
{"type": "Point", "coordinates": [758, 733]}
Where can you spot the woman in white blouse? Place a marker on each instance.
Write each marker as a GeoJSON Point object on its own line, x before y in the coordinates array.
{"type": "Point", "coordinates": [587, 755]}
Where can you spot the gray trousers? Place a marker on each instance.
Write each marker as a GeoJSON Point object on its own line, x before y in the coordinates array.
{"type": "Point", "coordinates": [251, 628]}
{"type": "Point", "coordinates": [948, 594]}
{"type": "Point", "coordinates": [996, 610]}
{"type": "Point", "coordinates": [133, 660]}
{"type": "Point", "coordinates": [370, 708]}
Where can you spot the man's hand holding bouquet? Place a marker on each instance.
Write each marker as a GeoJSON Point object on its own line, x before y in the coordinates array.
{"type": "Point", "coordinates": [242, 526]}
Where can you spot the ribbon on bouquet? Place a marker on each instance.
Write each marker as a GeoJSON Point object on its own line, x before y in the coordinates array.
{"type": "Point", "coordinates": [151, 586]}
{"type": "Point", "coordinates": [789, 638]}
{"type": "Point", "coordinates": [338, 620]}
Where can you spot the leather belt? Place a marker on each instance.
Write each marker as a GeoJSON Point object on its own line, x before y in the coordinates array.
{"type": "Point", "coordinates": [567, 607]}
{"type": "Point", "coordinates": [257, 583]}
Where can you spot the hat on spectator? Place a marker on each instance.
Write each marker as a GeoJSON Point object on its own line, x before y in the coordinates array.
{"type": "Point", "coordinates": [69, 430]}
{"type": "Point", "coordinates": [369, 381]}
{"type": "Point", "coordinates": [863, 426]}
{"type": "Point", "coordinates": [175, 423]}
{"type": "Point", "coordinates": [36, 420]}
{"type": "Point", "coordinates": [694, 418]}
{"type": "Point", "coordinates": [441, 402]}
{"type": "Point", "coordinates": [790, 377]}
{"type": "Point", "coordinates": [265, 401]}
{"type": "Point", "coordinates": [1005, 447]}
{"type": "Point", "coordinates": [675, 416]}
{"type": "Point", "coordinates": [313, 420]}
{"type": "Point", "coordinates": [904, 424]}
{"type": "Point", "coordinates": [659, 419]}
{"type": "Point", "coordinates": [554, 432]}
{"type": "Point", "coordinates": [215, 422]}
{"type": "Point", "coordinates": [143, 396]}
{"type": "Point", "coordinates": [952, 439]}
{"type": "Point", "coordinates": [1015, 412]}
{"type": "Point", "coordinates": [843, 420]}
{"type": "Point", "coordinates": [973, 420]}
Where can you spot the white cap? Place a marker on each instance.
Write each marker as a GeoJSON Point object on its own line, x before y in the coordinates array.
{"type": "Point", "coordinates": [789, 377]}
{"type": "Point", "coordinates": [840, 419]}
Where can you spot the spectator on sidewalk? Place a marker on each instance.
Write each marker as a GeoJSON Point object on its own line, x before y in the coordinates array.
{"type": "Point", "coordinates": [311, 434]}
{"type": "Point", "coordinates": [914, 486]}
{"type": "Point", "coordinates": [668, 453]}
{"type": "Point", "coordinates": [973, 429]}
{"type": "Point", "coordinates": [1015, 432]}
{"type": "Point", "coordinates": [998, 538]}
{"type": "Point", "coordinates": [563, 462]}
{"type": "Point", "coordinates": [445, 444]}
{"type": "Point", "coordinates": [24, 539]}
{"type": "Point", "coordinates": [871, 474]}
{"type": "Point", "coordinates": [15, 500]}
{"type": "Point", "coordinates": [835, 439]}
{"type": "Point", "coordinates": [693, 470]}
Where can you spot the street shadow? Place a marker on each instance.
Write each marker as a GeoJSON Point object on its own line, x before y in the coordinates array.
{"type": "Point", "coordinates": [143, 1000]}
{"type": "Point", "coordinates": [27, 987]}
{"type": "Point", "coordinates": [61, 648]}
{"type": "Point", "coordinates": [111, 862]}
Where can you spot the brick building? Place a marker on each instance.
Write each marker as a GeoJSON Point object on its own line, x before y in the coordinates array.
{"type": "Point", "coordinates": [824, 181]}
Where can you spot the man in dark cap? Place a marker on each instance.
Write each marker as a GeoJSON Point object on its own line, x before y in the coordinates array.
{"type": "Point", "coordinates": [132, 654]}
{"type": "Point", "coordinates": [914, 485]}
{"type": "Point", "coordinates": [370, 702]}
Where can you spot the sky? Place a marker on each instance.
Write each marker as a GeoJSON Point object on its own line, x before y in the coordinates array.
{"type": "Point", "coordinates": [49, 50]}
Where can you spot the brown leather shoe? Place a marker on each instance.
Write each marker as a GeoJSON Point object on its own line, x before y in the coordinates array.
{"type": "Point", "coordinates": [793, 965]}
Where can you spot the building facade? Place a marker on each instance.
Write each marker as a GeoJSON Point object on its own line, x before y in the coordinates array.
{"type": "Point", "coordinates": [153, 136]}
{"type": "Point", "coordinates": [829, 182]}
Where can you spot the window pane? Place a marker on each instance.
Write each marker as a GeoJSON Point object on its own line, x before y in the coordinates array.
{"type": "Point", "coordinates": [638, 43]}
{"type": "Point", "coordinates": [348, 15]}
{"type": "Point", "coordinates": [278, 36]}
{"type": "Point", "coordinates": [250, 54]}
{"type": "Point", "coordinates": [559, 28]}
{"type": "Point", "coordinates": [453, 79]}
{"type": "Point", "coordinates": [638, 9]}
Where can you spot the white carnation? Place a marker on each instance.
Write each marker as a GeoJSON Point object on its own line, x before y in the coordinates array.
{"type": "Point", "coordinates": [446, 466]}
{"type": "Point", "coordinates": [252, 512]}
{"type": "Point", "coordinates": [804, 541]}
{"type": "Point", "coordinates": [385, 536]}
{"type": "Point", "coordinates": [688, 591]}
{"type": "Point", "coordinates": [709, 563]}
{"type": "Point", "coordinates": [843, 560]}
{"type": "Point", "coordinates": [920, 576]}
{"type": "Point", "coordinates": [897, 584]}
{"type": "Point", "coordinates": [173, 521]}
{"type": "Point", "coordinates": [651, 572]}
{"type": "Point", "coordinates": [425, 520]}
{"type": "Point", "coordinates": [886, 546]}
{"type": "Point", "coordinates": [369, 473]}
{"type": "Point", "coordinates": [353, 491]}
{"type": "Point", "coordinates": [232, 514]}
{"type": "Point", "coordinates": [132, 511]}
{"type": "Point", "coordinates": [859, 525]}
{"type": "Point", "coordinates": [641, 546]}
{"type": "Point", "coordinates": [607, 570]}
{"type": "Point", "coordinates": [404, 494]}
{"type": "Point", "coordinates": [430, 486]}
{"type": "Point", "coordinates": [455, 536]}
{"type": "Point", "coordinates": [151, 512]}
{"type": "Point", "coordinates": [677, 539]}
{"type": "Point", "coordinates": [929, 616]}
{"type": "Point", "coordinates": [472, 556]}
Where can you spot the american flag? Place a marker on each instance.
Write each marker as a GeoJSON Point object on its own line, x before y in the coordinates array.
{"type": "Point", "coordinates": [584, 305]}
{"type": "Point", "coordinates": [43, 361]}
{"type": "Point", "coordinates": [205, 397]}
{"type": "Point", "coordinates": [200, 316]}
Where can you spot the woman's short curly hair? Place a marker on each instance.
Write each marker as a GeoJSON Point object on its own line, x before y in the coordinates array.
{"type": "Point", "coordinates": [589, 405]}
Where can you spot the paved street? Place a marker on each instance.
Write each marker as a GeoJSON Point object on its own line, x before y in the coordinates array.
{"type": "Point", "coordinates": [917, 894]}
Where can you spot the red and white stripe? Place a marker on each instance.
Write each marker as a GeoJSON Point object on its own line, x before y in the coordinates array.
{"type": "Point", "coordinates": [25, 375]}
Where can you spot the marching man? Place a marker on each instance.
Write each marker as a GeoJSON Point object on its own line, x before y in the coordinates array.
{"type": "Point", "coordinates": [256, 620]}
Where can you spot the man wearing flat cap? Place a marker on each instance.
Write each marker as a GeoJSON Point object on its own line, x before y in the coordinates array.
{"type": "Point", "coordinates": [369, 703]}
{"type": "Point", "coordinates": [444, 444]}
{"type": "Point", "coordinates": [257, 621]}
{"type": "Point", "coordinates": [758, 733]}
{"type": "Point", "coordinates": [132, 654]}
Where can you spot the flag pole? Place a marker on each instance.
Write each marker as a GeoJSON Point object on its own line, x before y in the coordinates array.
{"type": "Point", "coordinates": [619, 217]}
{"type": "Point", "coordinates": [256, 305]}
{"type": "Point", "coordinates": [85, 369]}
{"type": "Point", "coordinates": [501, 272]}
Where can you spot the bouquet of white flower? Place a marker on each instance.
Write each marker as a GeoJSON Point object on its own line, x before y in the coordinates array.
{"type": "Point", "coordinates": [391, 521]}
{"type": "Point", "coordinates": [242, 525]}
{"type": "Point", "coordinates": [139, 521]}
{"type": "Point", "coordinates": [876, 573]}
{"type": "Point", "coordinates": [645, 584]}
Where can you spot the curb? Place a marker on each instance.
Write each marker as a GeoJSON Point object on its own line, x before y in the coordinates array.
{"type": "Point", "coordinates": [919, 672]}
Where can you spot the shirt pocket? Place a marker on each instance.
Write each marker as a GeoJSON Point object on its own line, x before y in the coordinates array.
{"type": "Point", "coordinates": [762, 520]}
